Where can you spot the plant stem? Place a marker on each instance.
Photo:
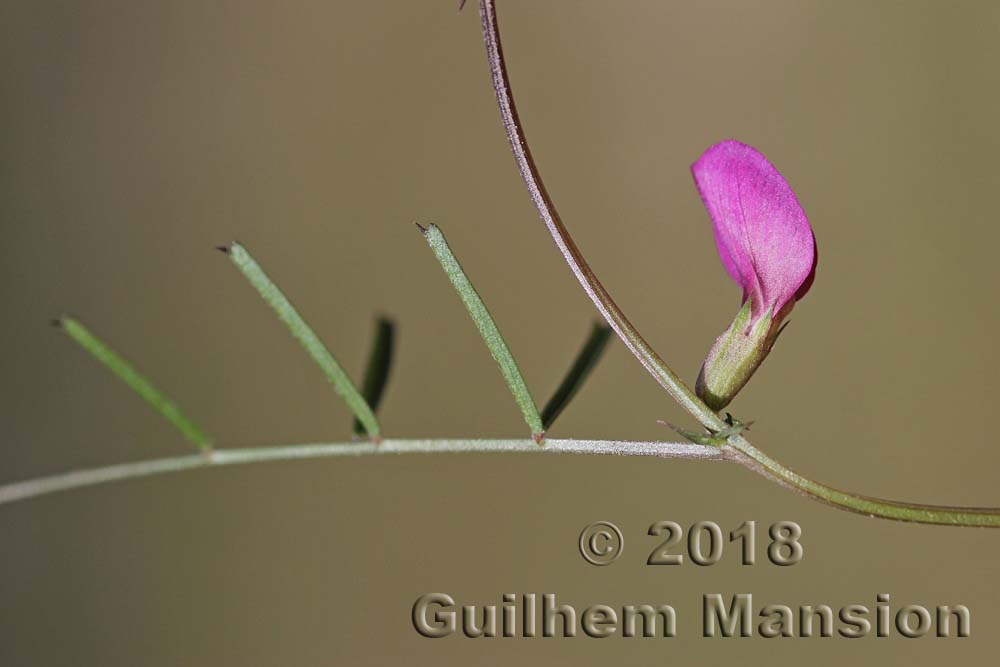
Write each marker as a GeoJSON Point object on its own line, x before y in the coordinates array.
{"type": "Point", "coordinates": [614, 316]}
{"type": "Point", "coordinates": [887, 509]}
{"type": "Point", "coordinates": [750, 457]}
{"type": "Point", "coordinates": [222, 457]}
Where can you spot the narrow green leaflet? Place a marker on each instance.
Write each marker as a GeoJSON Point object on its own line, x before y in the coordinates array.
{"type": "Point", "coordinates": [135, 380]}
{"type": "Point", "coordinates": [379, 366]}
{"type": "Point", "coordinates": [302, 332]}
{"type": "Point", "coordinates": [487, 329]}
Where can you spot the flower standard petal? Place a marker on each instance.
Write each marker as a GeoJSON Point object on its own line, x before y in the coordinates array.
{"type": "Point", "coordinates": [761, 232]}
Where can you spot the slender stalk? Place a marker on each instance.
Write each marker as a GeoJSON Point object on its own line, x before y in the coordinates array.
{"type": "Point", "coordinates": [577, 374]}
{"type": "Point", "coordinates": [752, 458]}
{"type": "Point", "coordinates": [614, 316]}
{"type": "Point", "coordinates": [222, 457]}
{"type": "Point", "coordinates": [487, 329]}
{"type": "Point", "coordinates": [954, 516]}
{"type": "Point", "coordinates": [135, 381]}
{"type": "Point", "coordinates": [302, 332]}
{"type": "Point", "coordinates": [741, 449]}
{"type": "Point", "coordinates": [377, 370]}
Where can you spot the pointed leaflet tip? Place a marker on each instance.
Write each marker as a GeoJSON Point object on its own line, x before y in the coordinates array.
{"type": "Point", "coordinates": [664, 422]}
{"type": "Point", "coordinates": [224, 249]}
{"type": "Point", "coordinates": [423, 230]}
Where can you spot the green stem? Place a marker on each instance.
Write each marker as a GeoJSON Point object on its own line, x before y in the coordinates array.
{"type": "Point", "coordinates": [886, 509]}
{"type": "Point", "coordinates": [135, 380]}
{"type": "Point", "coordinates": [302, 332]}
{"type": "Point", "coordinates": [487, 329]}
{"type": "Point", "coordinates": [614, 316]}
{"type": "Point", "coordinates": [221, 457]}
{"type": "Point", "coordinates": [750, 457]}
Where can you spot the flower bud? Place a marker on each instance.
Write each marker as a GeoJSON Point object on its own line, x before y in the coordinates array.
{"type": "Point", "coordinates": [766, 246]}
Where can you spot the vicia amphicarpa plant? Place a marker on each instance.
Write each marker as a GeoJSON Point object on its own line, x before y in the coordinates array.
{"type": "Point", "coordinates": [763, 239]}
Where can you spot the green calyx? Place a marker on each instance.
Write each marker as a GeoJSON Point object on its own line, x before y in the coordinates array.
{"type": "Point", "coordinates": [735, 357]}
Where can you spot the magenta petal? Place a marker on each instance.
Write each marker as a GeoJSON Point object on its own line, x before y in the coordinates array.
{"type": "Point", "coordinates": [761, 232]}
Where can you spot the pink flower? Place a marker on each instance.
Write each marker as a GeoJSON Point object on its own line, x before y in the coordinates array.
{"type": "Point", "coordinates": [767, 247]}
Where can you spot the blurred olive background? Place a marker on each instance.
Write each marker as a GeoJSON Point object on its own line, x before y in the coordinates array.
{"type": "Point", "coordinates": [137, 135]}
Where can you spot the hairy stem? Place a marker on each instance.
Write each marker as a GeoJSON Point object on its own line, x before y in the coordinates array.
{"type": "Point", "coordinates": [614, 316]}
{"type": "Point", "coordinates": [222, 457]}
{"type": "Point", "coordinates": [752, 458]}
{"type": "Point", "coordinates": [954, 516]}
